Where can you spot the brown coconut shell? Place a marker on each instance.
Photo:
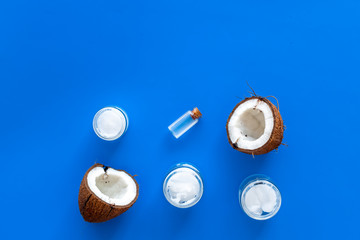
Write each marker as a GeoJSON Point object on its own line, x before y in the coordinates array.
{"type": "Point", "coordinates": [93, 209]}
{"type": "Point", "coordinates": [276, 135]}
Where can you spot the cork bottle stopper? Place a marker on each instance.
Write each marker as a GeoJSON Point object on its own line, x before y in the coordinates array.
{"type": "Point", "coordinates": [195, 113]}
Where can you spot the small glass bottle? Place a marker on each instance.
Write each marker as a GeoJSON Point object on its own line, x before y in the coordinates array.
{"type": "Point", "coordinates": [259, 197]}
{"type": "Point", "coordinates": [183, 186]}
{"type": "Point", "coordinates": [185, 122]}
{"type": "Point", "coordinates": [110, 123]}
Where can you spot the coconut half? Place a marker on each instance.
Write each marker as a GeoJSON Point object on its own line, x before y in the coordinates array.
{"type": "Point", "coordinates": [255, 126]}
{"type": "Point", "coordinates": [106, 193]}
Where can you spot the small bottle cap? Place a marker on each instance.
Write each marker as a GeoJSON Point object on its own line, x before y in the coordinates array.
{"type": "Point", "coordinates": [195, 113]}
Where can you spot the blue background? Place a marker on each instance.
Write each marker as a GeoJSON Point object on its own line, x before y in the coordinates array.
{"type": "Point", "coordinates": [61, 61]}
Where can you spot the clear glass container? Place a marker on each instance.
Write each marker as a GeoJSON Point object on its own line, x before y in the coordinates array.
{"type": "Point", "coordinates": [110, 123]}
{"type": "Point", "coordinates": [185, 122]}
{"type": "Point", "coordinates": [183, 186]}
{"type": "Point", "coordinates": [259, 197]}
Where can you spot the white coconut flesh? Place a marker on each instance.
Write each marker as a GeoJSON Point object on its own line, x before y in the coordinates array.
{"type": "Point", "coordinates": [112, 186]}
{"type": "Point", "coordinates": [251, 124]}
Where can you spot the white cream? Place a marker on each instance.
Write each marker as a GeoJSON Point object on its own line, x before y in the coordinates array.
{"type": "Point", "coordinates": [110, 123]}
{"type": "Point", "coordinates": [260, 198]}
{"type": "Point", "coordinates": [183, 188]}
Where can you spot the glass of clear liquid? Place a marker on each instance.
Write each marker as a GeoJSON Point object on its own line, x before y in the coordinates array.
{"type": "Point", "coordinates": [185, 122]}
{"type": "Point", "coordinates": [183, 186]}
{"type": "Point", "coordinates": [259, 197]}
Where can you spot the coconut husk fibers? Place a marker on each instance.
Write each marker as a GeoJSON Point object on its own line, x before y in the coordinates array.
{"type": "Point", "coordinates": [93, 209]}
{"type": "Point", "coordinates": [276, 134]}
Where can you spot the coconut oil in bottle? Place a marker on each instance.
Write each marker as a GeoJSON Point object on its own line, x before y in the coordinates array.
{"type": "Point", "coordinates": [185, 122]}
